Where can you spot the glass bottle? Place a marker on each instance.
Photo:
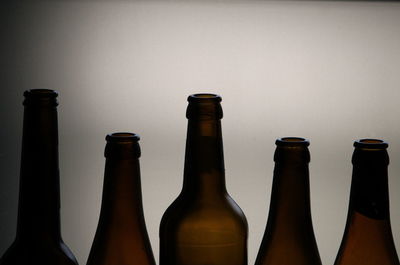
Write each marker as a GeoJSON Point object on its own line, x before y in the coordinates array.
{"type": "Point", "coordinates": [203, 226]}
{"type": "Point", "coordinates": [289, 236]}
{"type": "Point", "coordinates": [368, 236]}
{"type": "Point", "coordinates": [38, 238]}
{"type": "Point", "coordinates": [121, 236]}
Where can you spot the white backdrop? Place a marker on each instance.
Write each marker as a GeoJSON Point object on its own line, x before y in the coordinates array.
{"type": "Point", "coordinates": [327, 71]}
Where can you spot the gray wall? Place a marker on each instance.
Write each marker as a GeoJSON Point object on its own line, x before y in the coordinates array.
{"type": "Point", "coordinates": [328, 71]}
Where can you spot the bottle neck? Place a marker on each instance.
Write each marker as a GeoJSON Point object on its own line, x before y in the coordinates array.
{"type": "Point", "coordinates": [122, 196]}
{"type": "Point", "coordinates": [39, 195]}
{"type": "Point", "coordinates": [369, 193]}
{"type": "Point", "coordinates": [204, 174]}
{"type": "Point", "coordinates": [290, 197]}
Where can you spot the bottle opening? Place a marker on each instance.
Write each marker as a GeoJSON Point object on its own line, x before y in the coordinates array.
{"type": "Point", "coordinates": [204, 97]}
{"type": "Point", "coordinates": [371, 144]}
{"type": "Point", "coordinates": [41, 93]}
{"type": "Point", "coordinates": [122, 145]}
{"type": "Point", "coordinates": [40, 97]}
{"type": "Point", "coordinates": [122, 137]}
{"type": "Point", "coordinates": [292, 141]}
{"type": "Point", "coordinates": [204, 106]}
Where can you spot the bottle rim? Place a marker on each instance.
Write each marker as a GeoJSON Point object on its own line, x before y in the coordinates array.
{"type": "Point", "coordinates": [119, 137]}
{"type": "Point", "coordinates": [292, 141]}
{"type": "Point", "coordinates": [371, 143]}
{"type": "Point", "coordinates": [41, 93]}
{"type": "Point", "coordinates": [204, 97]}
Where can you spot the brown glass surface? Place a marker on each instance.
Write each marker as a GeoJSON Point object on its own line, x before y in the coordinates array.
{"type": "Point", "coordinates": [121, 237]}
{"type": "Point", "coordinates": [289, 236]}
{"type": "Point", "coordinates": [368, 236]}
{"type": "Point", "coordinates": [203, 226]}
{"type": "Point", "coordinates": [38, 239]}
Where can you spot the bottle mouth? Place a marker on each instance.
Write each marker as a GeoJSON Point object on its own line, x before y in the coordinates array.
{"type": "Point", "coordinates": [119, 137]}
{"type": "Point", "coordinates": [292, 141]}
{"type": "Point", "coordinates": [204, 106]}
{"type": "Point", "coordinates": [122, 145]}
{"type": "Point", "coordinates": [41, 93]}
{"type": "Point", "coordinates": [40, 97]}
{"type": "Point", "coordinates": [371, 144]}
{"type": "Point", "coordinates": [204, 98]}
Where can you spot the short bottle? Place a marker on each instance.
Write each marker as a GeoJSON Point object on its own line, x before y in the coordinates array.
{"type": "Point", "coordinates": [121, 236]}
{"type": "Point", "coordinates": [368, 236]}
{"type": "Point", "coordinates": [289, 236]}
{"type": "Point", "coordinates": [38, 238]}
{"type": "Point", "coordinates": [203, 226]}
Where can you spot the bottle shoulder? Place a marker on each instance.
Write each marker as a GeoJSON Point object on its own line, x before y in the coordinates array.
{"type": "Point", "coordinates": [32, 253]}
{"type": "Point", "coordinates": [284, 250]}
{"type": "Point", "coordinates": [203, 232]}
{"type": "Point", "coordinates": [368, 241]}
{"type": "Point", "coordinates": [187, 212]}
{"type": "Point", "coordinates": [115, 250]}
{"type": "Point", "coordinates": [126, 241]}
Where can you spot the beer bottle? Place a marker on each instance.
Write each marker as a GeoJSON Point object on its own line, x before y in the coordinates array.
{"type": "Point", "coordinates": [121, 236]}
{"type": "Point", "coordinates": [38, 239]}
{"type": "Point", "coordinates": [368, 236]}
{"type": "Point", "coordinates": [203, 226]}
{"type": "Point", "coordinates": [289, 235]}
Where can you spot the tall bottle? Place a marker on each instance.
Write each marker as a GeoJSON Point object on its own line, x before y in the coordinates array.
{"type": "Point", "coordinates": [121, 236]}
{"type": "Point", "coordinates": [289, 235]}
{"type": "Point", "coordinates": [38, 238]}
{"type": "Point", "coordinates": [368, 236]}
{"type": "Point", "coordinates": [203, 226]}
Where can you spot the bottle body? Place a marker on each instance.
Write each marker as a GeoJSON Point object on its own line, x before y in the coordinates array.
{"type": "Point", "coordinates": [121, 236]}
{"type": "Point", "coordinates": [368, 236]}
{"type": "Point", "coordinates": [38, 238]}
{"type": "Point", "coordinates": [289, 236]}
{"type": "Point", "coordinates": [203, 225]}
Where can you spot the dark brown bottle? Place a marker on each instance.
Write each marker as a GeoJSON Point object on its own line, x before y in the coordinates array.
{"type": "Point", "coordinates": [289, 235]}
{"type": "Point", "coordinates": [203, 226]}
{"type": "Point", "coordinates": [121, 236]}
{"type": "Point", "coordinates": [368, 236]}
{"type": "Point", "coordinates": [38, 238]}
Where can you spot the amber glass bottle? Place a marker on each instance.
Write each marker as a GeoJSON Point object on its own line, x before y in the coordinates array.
{"type": "Point", "coordinates": [38, 239]}
{"type": "Point", "coordinates": [368, 236]}
{"type": "Point", "coordinates": [203, 226]}
{"type": "Point", "coordinates": [121, 236]}
{"type": "Point", "coordinates": [289, 235]}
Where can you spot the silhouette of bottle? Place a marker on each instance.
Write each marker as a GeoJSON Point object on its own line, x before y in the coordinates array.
{"type": "Point", "coordinates": [289, 235]}
{"type": "Point", "coordinates": [368, 236]}
{"type": "Point", "coordinates": [203, 226]}
{"type": "Point", "coordinates": [121, 236]}
{"type": "Point", "coordinates": [38, 238]}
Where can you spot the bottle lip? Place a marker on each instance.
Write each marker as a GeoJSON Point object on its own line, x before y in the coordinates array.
{"type": "Point", "coordinates": [204, 98]}
{"type": "Point", "coordinates": [40, 97]}
{"type": "Point", "coordinates": [122, 137]}
{"type": "Point", "coordinates": [292, 141]}
{"type": "Point", "coordinates": [41, 93]}
{"type": "Point", "coordinates": [371, 143]}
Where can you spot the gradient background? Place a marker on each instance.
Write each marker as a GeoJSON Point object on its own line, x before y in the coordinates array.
{"type": "Point", "coordinates": [328, 71]}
